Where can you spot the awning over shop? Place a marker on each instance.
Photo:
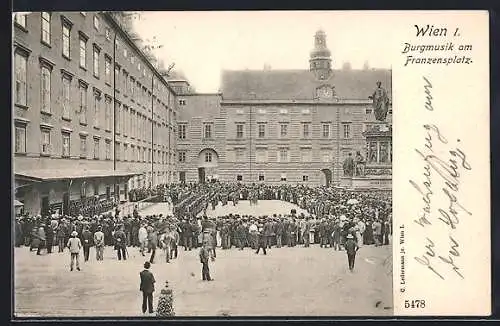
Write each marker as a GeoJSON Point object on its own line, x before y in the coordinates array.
{"type": "Point", "coordinates": [52, 175]}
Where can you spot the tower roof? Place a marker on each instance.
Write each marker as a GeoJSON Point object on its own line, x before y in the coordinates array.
{"type": "Point", "coordinates": [320, 50]}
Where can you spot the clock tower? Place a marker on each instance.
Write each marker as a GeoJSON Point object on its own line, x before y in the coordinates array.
{"type": "Point", "coordinates": [320, 58]}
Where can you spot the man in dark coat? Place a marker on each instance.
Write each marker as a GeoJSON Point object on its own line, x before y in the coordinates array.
{"type": "Point", "coordinates": [121, 243]}
{"type": "Point", "coordinates": [351, 247]}
{"type": "Point", "coordinates": [147, 288]}
{"type": "Point", "coordinates": [261, 241]}
{"type": "Point", "coordinates": [87, 242]}
{"type": "Point", "coordinates": [205, 254]}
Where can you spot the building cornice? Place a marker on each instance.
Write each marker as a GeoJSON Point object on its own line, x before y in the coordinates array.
{"type": "Point", "coordinates": [297, 102]}
{"type": "Point", "coordinates": [109, 17]}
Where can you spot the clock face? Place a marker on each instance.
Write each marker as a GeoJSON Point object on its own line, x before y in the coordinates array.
{"type": "Point", "coordinates": [325, 92]}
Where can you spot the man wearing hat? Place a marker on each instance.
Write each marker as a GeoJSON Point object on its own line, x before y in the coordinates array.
{"type": "Point", "coordinates": [99, 243]}
{"type": "Point", "coordinates": [74, 244]}
{"type": "Point", "coordinates": [87, 242]}
{"type": "Point", "coordinates": [147, 288]}
{"type": "Point", "coordinates": [351, 248]}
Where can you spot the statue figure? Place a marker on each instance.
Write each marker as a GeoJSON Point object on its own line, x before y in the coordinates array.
{"type": "Point", "coordinates": [360, 164]}
{"type": "Point", "coordinates": [380, 102]}
{"type": "Point", "coordinates": [348, 166]}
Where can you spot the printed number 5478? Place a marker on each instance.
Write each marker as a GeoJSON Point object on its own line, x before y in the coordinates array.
{"type": "Point", "coordinates": [414, 303]}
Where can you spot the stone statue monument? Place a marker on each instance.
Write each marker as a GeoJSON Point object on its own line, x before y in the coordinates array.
{"type": "Point", "coordinates": [380, 102]}
{"type": "Point", "coordinates": [359, 164]}
{"type": "Point", "coordinates": [348, 166]}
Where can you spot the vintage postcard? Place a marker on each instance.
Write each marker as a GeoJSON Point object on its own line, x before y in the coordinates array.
{"type": "Point", "coordinates": [298, 163]}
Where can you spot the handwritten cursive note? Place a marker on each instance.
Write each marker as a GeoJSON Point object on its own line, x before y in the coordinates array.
{"type": "Point", "coordinates": [444, 163]}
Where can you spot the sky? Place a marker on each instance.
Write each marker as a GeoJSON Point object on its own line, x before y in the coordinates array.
{"type": "Point", "coordinates": [202, 44]}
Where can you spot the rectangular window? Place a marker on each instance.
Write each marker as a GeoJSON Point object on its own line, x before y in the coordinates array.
{"type": "Point", "coordinates": [117, 117]}
{"type": "Point", "coordinates": [283, 130]}
{"type": "Point", "coordinates": [108, 34]}
{"type": "Point", "coordinates": [83, 104]}
{"type": "Point", "coordinates": [96, 62]}
{"type": "Point", "coordinates": [347, 130]}
{"type": "Point", "coordinates": [240, 155]}
{"type": "Point", "coordinates": [46, 27]}
{"type": "Point", "coordinates": [107, 70]}
{"type": "Point", "coordinates": [107, 113]}
{"type": "Point", "coordinates": [66, 98]}
{"type": "Point", "coordinates": [21, 78]}
{"type": "Point", "coordinates": [125, 152]}
{"type": "Point", "coordinates": [261, 155]}
{"type": "Point", "coordinates": [131, 87]}
{"type": "Point", "coordinates": [83, 146]}
{"type": "Point", "coordinates": [306, 155]}
{"type": "Point", "coordinates": [283, 177]}
{"type": "Point", "coordinates": [305, 178]}
{"type": "Point", "coordinates": [97, 109]}
{"type": "Point", "coordinates": [20, 146]}
{"type": "Point", "coordinates": [306, 130]}
{"type": "Point", "coordinates": [182, 131]}
{"type": "Point", "coordinates": [261, 177]}
{"type": "Point", "coordinates": [326, 156]}
{"type": "Point", "coordinates": [117, 77]}
{"type": "Point", "coordinates": [182, 157]}
{"type": "Point", "coordinates": [207, 131]}
{"type": "Point", "coordinates": [108, 150]}
{"type": "Point", "coordinates": [262, 130]}
{"type": "Point", "coordinates": [125, 83]}
{"type": "Point", "coordinates": [283, 155]}
{"type": "Point", "coordinates": [125, 120]}
{"type": "Point", "coordinates": [66, 146]}
{"type": "Point", "coordinates": [83, 52]}
{"type": "Point", "coordinates": [368, 111]}
{"type": "Point", "coordinates": [20, 19]}
{"type": "Point", "coordinates": [96, 22]}
{"type": "Point", "coordinates": [96, 148]}
{"type": "Point", "coordinates": [239, 177]}
{"type": "Point", "coordinates": [239, 130]}
{"type": "Point", "coordinates": [117, 151]}
{"type": "Point", "coordinates": [45, 141]}
{"type": "Point", "coordinates": [66, 38]}
{"type": "Point", "coordinates": [326, 131]}
{"type": "Point", "coordinates": [45, 89]}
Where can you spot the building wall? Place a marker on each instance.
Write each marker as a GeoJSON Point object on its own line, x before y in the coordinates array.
{"type": "Point", "coordinates": [93, 126]}
{"type": "Point", "coordinates": [130, 122]}
{"type": "Point", "coordinates": [247, 166]}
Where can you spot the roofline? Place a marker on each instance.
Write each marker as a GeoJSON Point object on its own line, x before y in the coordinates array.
{"type": "Point", "coordinates": [201, 94]}
{"type": "Point", "coordinates": [301, 70]}
{"type": "Point", "coordinates": [114, 23]}
{"type": "Point", "coordinates": [300, 102]}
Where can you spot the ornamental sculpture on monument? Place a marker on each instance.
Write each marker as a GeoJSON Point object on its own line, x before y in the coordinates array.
{"type": "Point", "coordinates": [380, 102]}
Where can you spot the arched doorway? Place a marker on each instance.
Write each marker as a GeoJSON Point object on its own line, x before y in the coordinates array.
{"type": "Point", "coordinates": [208, 161]}
{"type": "Point", "coordinates": [326, 177]}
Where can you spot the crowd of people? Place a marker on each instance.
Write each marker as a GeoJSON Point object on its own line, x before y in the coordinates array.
{"type": "Point", "coordinates": [333, 216]}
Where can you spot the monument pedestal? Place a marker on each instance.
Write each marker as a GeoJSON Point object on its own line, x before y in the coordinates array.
{"type": "Point", "coordinates": [378, 168]}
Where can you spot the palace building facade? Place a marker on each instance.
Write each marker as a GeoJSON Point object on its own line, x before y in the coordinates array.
{"type": "Point", "coordinates": [278, 126]}
{"type": "Point", "coordinates": [93, 116]}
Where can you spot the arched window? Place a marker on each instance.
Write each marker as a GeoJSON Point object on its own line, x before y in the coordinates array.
{"type": "Point", "coordinates": [208, 156]}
